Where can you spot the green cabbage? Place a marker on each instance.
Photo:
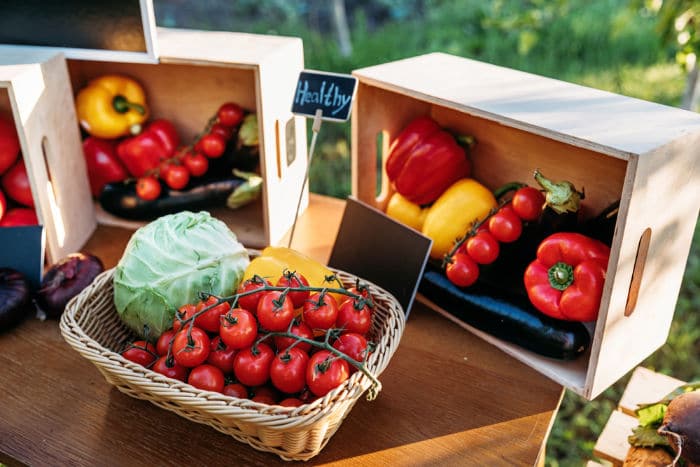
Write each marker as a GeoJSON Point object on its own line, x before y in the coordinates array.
{"type": "Point", "coordinates": [168, 262]}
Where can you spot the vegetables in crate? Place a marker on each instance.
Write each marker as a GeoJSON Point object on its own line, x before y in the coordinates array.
{"type": "Point", "coordinates": [169, 262]}
{"type": "Point", "coordinates": [143, 153]}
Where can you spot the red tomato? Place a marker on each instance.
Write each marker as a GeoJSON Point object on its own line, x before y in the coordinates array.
{"type": "Point", "coordinates": [462, 271]}
{"type": "Point", "coordinates": [17, 217]}
{"type": "Point", "coordinates": [354, 316]}
{"type": "Point", "coordinates": [320, 311]}
{"type": "Point", "coordinates": [3, 205]}
{"type": "Point", "coordinates": [275, 311]}
{"type": "Point", "coordinates": [207, 378]}
{"type": "Point", "coordinates": [177, 177]}
{"type": "Point", "coordinates": [263, 399]}
{"type": "Point", "coordinates": [230, 114]}
{"type": "Point", "coordinates": [252, 365]}
{"type": "Point", "coordinates": [212, 145]}
{"type": "Point", "coordinates": [528, 203]}
{"type": "Point", "coordinates": [299, 328]}
{"type": "Point", "coordinates": [265, 391]}
{"type": "Point", "coordinates": [15, 183]}
{"type": "Point", "coordinates": [325, 372]}
{"type": "Point", "coordinates": [168, 367]}
{"type": "Point", "coordinates": [148, 188]}
{"type": "Point", "coordinates": [250, 301]}
{"type": "Point", "coordinates": [288, 370]}
{"type": "Point", "coordinates": [190, 350]}
{"type": "Point", "coordinates": [220, 355]}
{"type": "Point", "coordinates": [140, 352]}
{"type": "Point", "coordinates": [294, 279]}
{"type": "Point", "coordinates": [362, 290]}
{"type": "Point", "coordinates": [184, 313]}
{"type": "Point", "coordinates": [505, 225]}
{"type": "Point", "coordinates": [9, 143]}
{"type": "Point", "coordinates": [236, 390]}
{"type": "Point", "coordinates": [164, 341]}
{"type": "Point", "coordinates": [210, 320]}
{"type": "Point", "coordinates": [238, 328]}
{"type": "Point", "coordinates": [163, 168]}
{"type": "Point", "coordinates": [353, 345]}
{"type": "Point", "coordinates": [224, 131]}
{"type": "Point", "coordinates": [483, 248]}
{"type": "Point", "coordinates": [196, 163]}
{"type": "Point", "coordinates": [291, 402]}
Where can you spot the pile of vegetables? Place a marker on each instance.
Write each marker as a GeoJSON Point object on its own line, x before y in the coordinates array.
{"type": "Point", "coordinates": [16, 200]}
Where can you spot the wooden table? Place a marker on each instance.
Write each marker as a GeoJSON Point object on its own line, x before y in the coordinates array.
{"type": "Point", "coordinates": [448, 397]}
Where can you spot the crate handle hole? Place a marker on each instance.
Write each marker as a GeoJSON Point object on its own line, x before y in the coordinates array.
{"type": "Point", "coordinates": [278, 150]}
{"type": "Point", "coordinates": [50, 190]}
{"type": "Point", "coordinates": [638, 271]}
{"type": "Point", "coordinates": [382, 153]}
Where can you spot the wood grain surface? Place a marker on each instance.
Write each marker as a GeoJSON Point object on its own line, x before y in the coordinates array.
{"type": "Point", "coordinates": [448, 398]}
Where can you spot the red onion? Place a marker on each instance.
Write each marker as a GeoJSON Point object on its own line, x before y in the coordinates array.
{"type": "Point", "coordinates": [14, 297]}
{"type": "Point", "coordinates": [66, 279]}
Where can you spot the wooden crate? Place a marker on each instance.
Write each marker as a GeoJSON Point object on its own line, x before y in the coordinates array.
{"type": "Point", "coordinates": [195, 73]}
{"type": "Point", "coordinates": [615, 147]}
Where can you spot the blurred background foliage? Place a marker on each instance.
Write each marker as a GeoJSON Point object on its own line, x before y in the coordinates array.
{"type": "Point", "coordinates": [640, 48]}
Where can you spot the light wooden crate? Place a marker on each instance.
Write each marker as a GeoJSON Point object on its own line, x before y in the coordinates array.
{"type": "Point", "coordinates": [615, 147]}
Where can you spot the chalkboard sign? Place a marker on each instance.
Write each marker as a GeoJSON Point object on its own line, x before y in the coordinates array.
{"type": "Point", "coordinates": [81, 28]}
{"type": "Point", "coordinates": [333, 93]}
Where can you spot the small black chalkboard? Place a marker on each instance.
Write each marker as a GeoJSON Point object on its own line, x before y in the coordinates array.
{"type": "Point", "coordinates": [375, 247]}
{"type": "Point", "coordinates": [332, 93]}
{"type": "Point", "coordinates": [23, 250]}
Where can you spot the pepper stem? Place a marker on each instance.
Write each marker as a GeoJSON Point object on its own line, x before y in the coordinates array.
{"type": "Point", "coordinates": [560, 196]}
{"type": "Point", "coordinates": [122, 105]}
{"type": "Point", "coordinates": [561, 275]}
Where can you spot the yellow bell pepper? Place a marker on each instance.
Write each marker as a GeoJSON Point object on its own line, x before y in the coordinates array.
{"type": "Point", "coordinates": [111, 106]}
{"type": "Point", "coordinates": [460, 206]}
{"type": "Point", "coordinates": [406, 212]}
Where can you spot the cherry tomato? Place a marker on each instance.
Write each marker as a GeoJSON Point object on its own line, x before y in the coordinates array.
{"type": "Point", "coordinates": [263, 399]}
{"type": "Point", "coordinates": [354, 316]}
{"type": "Point", "coordinates": [505, 225]}
{"type": "Point", "coordinates": [183, 313]}
{"type": "Point", "coordinates": [220, 355]}
{"type": "Point", "coordinates": [362, 290]}
{"type": "Point", "coordinates": [164, 340]}
{"type": "Point", "coordinates": [168, 367]}
{"type": "Point", "coordinates": [230, 114]}
{"type": "Point", "coordinates": [190, 350]}
{"type": "Point", "coordinates": [265, 392]}
{"type": "Point", "coordinates": [163, 169]}
{"type": "Point", "coordinates": [527, 203]}
{"type": "Point", "coordinates": [224, 131]}
{"type": "Point", "coordinates": [252, 365]}
{"type": "Point", "coordinates": [325, 372]}
{"type": "Point", "coordinates": [15, 183]}
{"type": "Point", "coordinates": [275, 311]}
{"type": "Point", "coordinates": [236, 390]}
{"type": "Point", "coordinates": [320, 311]}
{"type": "Point", "coordinates": [238, 328]}
{"type": "Point", "coordinates": [288, 370]}
{"type": "Point", "coordinates": [17, 217]}
{"type": "Point", "coordinates": [148, 188]}
{"type": "Point", "coordinates": [483, 248]}
{"type": "Point", "coordinates": [462, 271]}
{"type": "Point", "coordinates": [207, 378]}
{"type": "Point", "coordinates": [9, 143]}
{"type": "Point", "coordinates": [210, 320]}
{"type": "Point", "coordinates": [294, 279]}
{"type": "Point", "coordinates": [196, 163]}
{"type": "Point", "coordinates": [177, 177]}
{"type": "Point", "coordinates": [299, 328]}
{"type": "Point", "coordinates": [250, 302]}
{"type": "Point", "coordinates": [213, 145]}
{"type": "Point", "coordinates": [353, 345]}
{"type": "Point", "coordinates": [291, 402]}
{"type": "Point", "coordinates": [140, 352]}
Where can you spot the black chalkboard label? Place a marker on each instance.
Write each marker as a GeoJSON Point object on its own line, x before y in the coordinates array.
{"type": "Point", "coordinates": [332, 93]}
{"type": "Point", "coordinates": [23, 250]}
{"type": "Point", "coordinates": [379, 249]}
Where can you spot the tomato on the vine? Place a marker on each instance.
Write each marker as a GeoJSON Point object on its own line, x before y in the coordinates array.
{"type": "Point", "coordinates": [230, 114]}
{"type": "Point", "coordinates": [291, 402]}
{"type": "Point", "coordinates": [528, 203]}
{"type": "Point", "coordinates": [164, 340]}
{"type": "Point", "coordinates": [251, 366]}
{"type": "Point", "coordinates": [320, 311]}
{"type": "Point", "coordinates": [220, 355]}
{"type": "Point", "coordinates": [275, 311]}
{"type": "Point", "coordinates": [140, 352]}
{"type": "Point", "coordinates": [482, 248]}
{"type": "Point", "coordinates": [294, 279]}
{"type": "Point", "coordinates": [177, 177]}
{"type": "Point", "coordinates": [505, 225]}
{"type": "Point", "coordinates": [191, 346]}
{"type": "Point", "coordinates": [288, 370]}
{"type": "Point", "coordinates": [354, 316]}
{"type": "Point", "coordinates": [212, 145]}
{"type": "Point", "coordinates": [148, 188]}
{"type": "Point", "coordinates": [353, 345]}
{"type": "Point", "coordinates": [299, 328]}
{"type": "Point", "coordinates": [169, 367]}
{"type": "Point", "coordinates": [207, 378]}
{"type": "Point", "coordinates": [15, 183]}
{"type": "Point", "coordinates": [238, 328]}
{"type": "Point", "coordinates": [210, 320]}
{"type": "Point", "coordinates": [462, 270]}
{"type": "Point", "coordinates": [224, 131]}
{"type": "Point", "coordinates": [196, 163]}
{"type": "Point", "coordinates": [325, 372]}
{"type": "Point", "coordinates": [250, 301]}
{"type": "Point", "coordinates": [182, 314]}
{"type": "Point", "coordinates": [235, 390]}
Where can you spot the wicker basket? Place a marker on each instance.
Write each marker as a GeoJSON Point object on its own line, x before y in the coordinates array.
{"type": "Point", "coordinates": [92, 326]}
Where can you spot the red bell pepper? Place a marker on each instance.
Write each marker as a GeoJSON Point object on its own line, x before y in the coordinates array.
{"type": "Point", "coordinates": [566, 279]}
{"type": "Point", "coordinates": [424, 160]}
{"type": "Point", "coordinates": [103, 165]}
{"type": "Point", "coordinates": [143, 153]}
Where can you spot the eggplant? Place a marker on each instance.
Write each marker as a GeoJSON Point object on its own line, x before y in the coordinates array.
{"type": "Point", "coordinates": [602, 226]}
{"type": "Point", "coordinates": [510, 318]}
{"type": "Point", "coordinates": [14, 297]}
{"type": "Point", "coordinates": [121, 200]}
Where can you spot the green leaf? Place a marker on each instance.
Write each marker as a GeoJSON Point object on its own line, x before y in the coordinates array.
{"type": "Point", "coordinates": [646, 437]}
{"type": "Point", "coordinates": [651, 414]}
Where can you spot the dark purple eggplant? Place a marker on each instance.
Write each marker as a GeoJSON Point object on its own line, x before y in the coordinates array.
{"type": "Point", "coordinates": [14, 298]}
{"type": "Point", "coordinates": [66, 279]}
